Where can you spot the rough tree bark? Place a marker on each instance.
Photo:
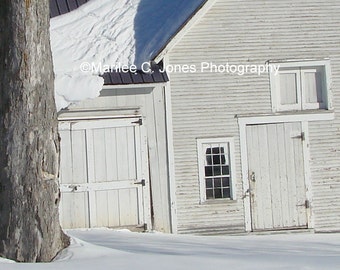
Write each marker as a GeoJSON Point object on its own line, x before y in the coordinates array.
{"type": "Point", "coordinates": [29, 144]}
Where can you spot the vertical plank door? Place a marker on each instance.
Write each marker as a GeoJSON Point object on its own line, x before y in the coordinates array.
{"type": "Point", "coordinates": [102, 174]}
{"type": "Point", "coordinates": [276, 176]}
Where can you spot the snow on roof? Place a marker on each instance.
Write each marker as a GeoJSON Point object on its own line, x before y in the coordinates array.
{"type": "Point", "coordinates": [110, 33]}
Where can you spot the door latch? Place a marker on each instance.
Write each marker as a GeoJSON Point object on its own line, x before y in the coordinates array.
{"type": "Point", "coordinates": [73, 188]}
{"type": "Point", "coordinates": [247, 193]}
{"type": "Point", "coordinates": [252, 177]}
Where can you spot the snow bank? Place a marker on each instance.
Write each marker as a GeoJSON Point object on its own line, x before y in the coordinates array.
{"type": "Point", "coordinates": [108, 249]}
{"type": "Point", "coordinates": [99, 32]}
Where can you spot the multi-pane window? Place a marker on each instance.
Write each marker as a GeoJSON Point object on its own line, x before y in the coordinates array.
{"type": "Point", "coordinates": [216, 172]}
{"type": "Point", "coordinates": [301, 86]}
{"type": "Point", "coordinates": [215, 164]}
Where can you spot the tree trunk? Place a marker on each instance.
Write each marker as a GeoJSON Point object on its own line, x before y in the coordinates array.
{"type": "Point", "coordinates": [29, 141]}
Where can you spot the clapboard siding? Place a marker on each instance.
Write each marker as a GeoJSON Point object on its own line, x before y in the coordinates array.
{"type": "Point", "coordinates": [205, 104]}
{"type": "Point", "coordinates": [325, 170]}
{"type": "Point", "coordinates": [148, 102]}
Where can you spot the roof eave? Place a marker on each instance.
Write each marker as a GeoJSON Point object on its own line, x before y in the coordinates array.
{"type": "Point", "coordinates": [188, 24]}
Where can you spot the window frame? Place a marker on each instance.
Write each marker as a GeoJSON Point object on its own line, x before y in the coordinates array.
{"type": "Point", "coordinates": [300, 67]}
{"type": "Point", "coordinates": [201, 167]}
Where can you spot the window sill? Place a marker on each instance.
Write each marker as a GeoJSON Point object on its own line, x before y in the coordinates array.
{"type": "Point", "coordinates": [218, 201]}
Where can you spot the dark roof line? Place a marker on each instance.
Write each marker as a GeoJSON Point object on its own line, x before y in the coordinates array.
{"type": "Point", "coordinates": [124, 78]}
{"type": "Point", "coordinates": [60, 7]}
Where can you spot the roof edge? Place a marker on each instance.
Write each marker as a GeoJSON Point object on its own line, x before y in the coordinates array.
{"type": "Point", "coordinates": [61, 7]}
{"type": "Point", "coordinates": [186, 26]}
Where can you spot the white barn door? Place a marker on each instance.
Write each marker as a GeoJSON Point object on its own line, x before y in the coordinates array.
{"type": "Point", "coordinates": [104, 174]}
{"type": "Point", "coordinates": [276, 176]}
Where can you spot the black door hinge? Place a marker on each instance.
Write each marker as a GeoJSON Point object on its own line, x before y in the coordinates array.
{"type": "Point", "coordinates": [139, 122]}
{"type": "Point", "coordinates": [142, 182]}
{"type": "Point", "coordinates": [143, 227]}
{"type": "Point", "coordinates": [302, 136]}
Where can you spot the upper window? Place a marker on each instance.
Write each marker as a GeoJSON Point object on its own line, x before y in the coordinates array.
{"type": "Point", "coordinates": [216, 168]}
{"type": "Point", "coordinates": [301, 86]}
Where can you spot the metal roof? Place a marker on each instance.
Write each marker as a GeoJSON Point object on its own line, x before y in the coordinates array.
{"type": "Point", "coordinates": [121, 78]}
{"type": "Point", "coordinates": [59, 7]}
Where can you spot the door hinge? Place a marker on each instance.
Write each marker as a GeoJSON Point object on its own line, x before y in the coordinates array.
{"type": "Point", "coordinates": [143, 226]}
{"type": "Point", "coordinates": [142, 182]}
{"type": "Point", "coordinates": [302, 136]}
{"type": "Point", "coordinates": [139, 122]}
{"type": "Point", "coordinates": [305, 204]}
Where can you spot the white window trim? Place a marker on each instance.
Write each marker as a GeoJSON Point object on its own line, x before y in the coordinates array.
{"type": "Point", "coordinates": [277, 107]}
{"type": "Point", "coordinates": [201, 172]}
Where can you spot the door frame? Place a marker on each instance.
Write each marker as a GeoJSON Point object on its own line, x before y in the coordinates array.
{"type": "Point", "coordinates": [272, 119]}
{"type": "Point", "coordinates": [143, 165]}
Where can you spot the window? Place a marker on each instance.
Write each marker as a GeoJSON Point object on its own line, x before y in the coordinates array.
{"type": "Point", "coordinates": [216, 168]}
{"type": "Point", "coordinates": [301, 86]}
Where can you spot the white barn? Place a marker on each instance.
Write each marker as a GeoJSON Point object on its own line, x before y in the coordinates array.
{"type": "Point", "coordinates": [216, 147]}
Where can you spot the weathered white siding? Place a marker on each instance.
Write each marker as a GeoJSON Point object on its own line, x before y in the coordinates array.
{"type": "Point", "coordinates": [205, 104]}
{"type": "Point", "coordinates": [149, 103]}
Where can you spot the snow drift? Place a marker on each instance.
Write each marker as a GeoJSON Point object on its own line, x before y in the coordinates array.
{"type": "Point", "coordinates": [108, 249]}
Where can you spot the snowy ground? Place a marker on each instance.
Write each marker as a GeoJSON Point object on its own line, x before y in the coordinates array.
{"type": "Point", "coordinates": [119, 250]}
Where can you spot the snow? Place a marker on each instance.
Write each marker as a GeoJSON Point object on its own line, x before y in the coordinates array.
{"type": "Point", "coordinates": [109, 249]}
{"type": "Point", "coordinates": [109, 33]}
{"type": "Point", "coordinates": [99, 32]}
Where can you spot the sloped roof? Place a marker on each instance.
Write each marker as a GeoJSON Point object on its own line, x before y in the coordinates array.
{"type": "Point", "coordinates": [155, 23]}
{"type": "Point", "coordinates": [110, 33]}
{"type": "Point", "coordinates": [158, 21]}
{"type": "Point", "coordinates": [59, 7]}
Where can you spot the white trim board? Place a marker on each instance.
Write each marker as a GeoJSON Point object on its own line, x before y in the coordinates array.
{"type": "Point", "coordinates": [98, 114]}
{"type": "Point", "coordinates": [308, 177]}
{"type": "Point", "coordinates": [245, 177]}
{"type": "Point", "coordinates": [184, 30]}
{"type": "Point", "coordinates": [171, 159]}
{"type": "Point", "coordinates": [280, 118]}
{"type": "Point", "coordinates": [131, 85]}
